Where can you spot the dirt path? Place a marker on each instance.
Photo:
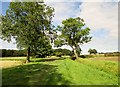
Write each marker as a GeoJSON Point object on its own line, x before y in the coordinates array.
{"type": "Point", "coordinates": [107, 58]}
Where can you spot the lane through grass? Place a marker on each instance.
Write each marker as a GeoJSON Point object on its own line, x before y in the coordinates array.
{"type": "Point", "coordinates": [59, 72]}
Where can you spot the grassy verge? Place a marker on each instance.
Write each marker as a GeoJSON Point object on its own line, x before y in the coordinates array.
{"type": "Point", "coordinates": [102, 65]}
{"type": "Point", "coordinates": [58, 72]}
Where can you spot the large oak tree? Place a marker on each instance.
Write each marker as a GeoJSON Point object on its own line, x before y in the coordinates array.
{"type": "Point", "coordinates": [27, 22]}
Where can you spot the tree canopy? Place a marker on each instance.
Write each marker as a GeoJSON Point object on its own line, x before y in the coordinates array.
{"type": "Point", "coordinates": [92, 51]}
{"type": "Point", "coordinates": [26, 22]}
{"type": "Point", "coordinates": [73, 33]}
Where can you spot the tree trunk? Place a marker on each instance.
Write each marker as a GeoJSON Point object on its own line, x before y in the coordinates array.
{"type": "Point", "coordinates": [28, 55]}
{"type": "Point", "coordinates": [75, 53]}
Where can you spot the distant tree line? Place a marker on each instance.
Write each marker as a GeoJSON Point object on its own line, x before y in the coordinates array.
{"type": "Point", "coordinates": [41, 54]}
{"type": "Point", "coordinates": [13, 53]}
{"type": "Point", "coordinates": [107, 54]}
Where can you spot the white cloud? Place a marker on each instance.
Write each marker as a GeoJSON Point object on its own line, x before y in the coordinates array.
{"type": "Point", "coordinates": [6, 45]}
{"type": "Point", "coordinates": [101, 15]}
{"type": "Point", "coordinates": [102, 45]}
{"type": "Point", "coordinates": [63, 10]}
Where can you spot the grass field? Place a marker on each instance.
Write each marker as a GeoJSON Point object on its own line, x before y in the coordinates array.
{"type": "Point", "coordinates": [60, 72]}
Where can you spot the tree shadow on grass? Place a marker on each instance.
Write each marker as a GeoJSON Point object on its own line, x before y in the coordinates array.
{"type": "Point", "coordinates": [33, 74]}
{"type": "Point", "coordinates": [49, 59]}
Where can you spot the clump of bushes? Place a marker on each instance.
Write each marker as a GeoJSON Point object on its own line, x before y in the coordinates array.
{"type": "Point", "coordinates": [86, 56]}
{"type": "Point", "coordinates": [58, 54]}
{"type": "Point", "coordinates": [62, 52]}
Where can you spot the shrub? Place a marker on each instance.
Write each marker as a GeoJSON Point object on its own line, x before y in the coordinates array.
{"type": "Point", "coordinates": [62, 52]}
{"type": "Point", "coordinates": [86, 56]}
{"type": "Point", "coordinates": [58, 54]}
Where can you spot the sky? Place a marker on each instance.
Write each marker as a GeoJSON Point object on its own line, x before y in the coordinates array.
{"type": "Point", "coordinates": [100, 16]}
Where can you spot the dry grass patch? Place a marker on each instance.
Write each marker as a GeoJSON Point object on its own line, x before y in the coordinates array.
{"type": "Point", "coordinates": [106, 58]}
{"type": "Point", "coordinates": [7, 64]}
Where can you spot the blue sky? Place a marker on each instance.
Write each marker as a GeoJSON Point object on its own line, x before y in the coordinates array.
{"type": "Point", "coordinates": [101, 17]}
{"type": "Point", "coordinates": [4, 6]}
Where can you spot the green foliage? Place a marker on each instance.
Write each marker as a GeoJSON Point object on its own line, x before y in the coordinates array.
{"type": "Point", "coordinates": [26, 22]}
{"type": "Point", "coordinates": [59, 43]}
{"type": "Point", "coordinates": [58, 54]}
{"type": "Point", "coordinates": [44, 49]}
{"type": "Point", "coordinates": [62, 52]}
{"type": "Point", "coordinates": [73, 33]}
{"type": "Point", "coordinates": [92, 51]}
{"type": "Point", "coordinates": [78, 50]}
